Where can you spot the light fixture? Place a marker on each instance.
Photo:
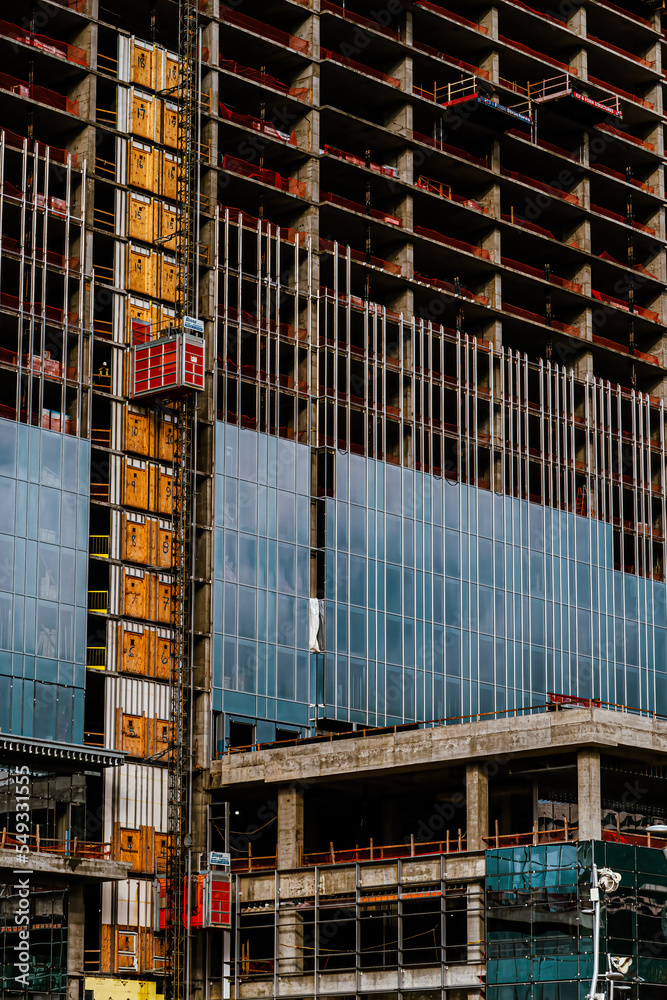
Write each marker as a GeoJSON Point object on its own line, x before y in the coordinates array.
{"type": "Point", "coordinates": [657, 828]}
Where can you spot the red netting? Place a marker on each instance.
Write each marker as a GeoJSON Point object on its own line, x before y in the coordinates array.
{"type": "Point", "coordinates": [544, 17]}
{"type": "Point", "coordinates": [608, 213]}
{"type": "Point", "coordinates": [518, 265]}
{"type": "Point", "coordinates": [625, 135]}
{"type": "Point", "coordinates": [358, 19]}
{"type": "Point", "coordinates": [623, 93]}
{"type": "Point", "coordinates": [556, 192]}
{"type": "Point", "coordinates": [353, 64]}
{"type": "Point", "coordinates": [449, 241]}
{"type": "Point", "coordinates": [453, 17]}
{"type": "Point", "coordinates": [266, 127]}
{"type": "Point", "coordinates": [23, 89]}
{"type": "Point", "coordinates": [536, 318]}
{"type": "Point", "coordinates": [264, 79]}
{"type": "Point", "coordinates": [263, 29]}
{"type": "Point", "coordinates": [245, 169]}
{"type": "Point", "coordinates": [447, 148]}
{"type": "Point", "coordinates": [538, 55]}
{"type": "Point", "coordinates": [359, 161]}
{"type": "Point", "coordinates": [360, 256]}
{"type": "Point", "coordinates": [355, 206]}
{"type": "Point", "coordinates": [516, 220]}
{"type": "Point", "coordinates": [451, 60]}
{"type": "Point", "coordinates": [287, 234]}
{"type": "Point", "coordinates": [450, 288]}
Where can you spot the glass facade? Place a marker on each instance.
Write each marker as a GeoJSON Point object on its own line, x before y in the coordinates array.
{"type": "Point", "coordinates": [262, 574]}
{"type": "Point", "coordinates": [44, 497]}
{"type": "Point", "coordinates": [539, 935]}
{"type": "Point", "coordinates": [440, 599]}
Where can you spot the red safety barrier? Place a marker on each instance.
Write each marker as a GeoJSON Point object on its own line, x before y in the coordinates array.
{"type": "Point", "coordinates": [551, 146]}
{"type": "Point", "coordinates": [450, 288]}
{"type": "Point", "coordinates": [361, 67]}
{"type": "Point", "coordinates": [264, 79]}
{"type": "Point", "coordinates": [245, 169]}
{"type": "Point", "coordinates": [621, 52]}
{"type": "Point", "coordinates": [623, 93]}
{"type": "Point", "coordinates": [452, 17]}
{"type": "Point", "coordinates": [266, 127]}
{"type": "Point", "coordinates": [452, 150]}
{"type": "Point", "coordinates": [287, 234]}
{"type": "Point", "coordinates": [24, 89]}
{"type": "Point", "coordinates": [51, 45]}
{"type": "Point", "coordinates": [604, 127]}
{"type": "Point", "coordinates": [359, 161]}
{"type": "Point", "coordinates": [543, 17]}
{"type": "Point", "coordinates": [355, 206]}
{"type": "Point", "coordinates": [621, 177]}
{"type": "Point", "coordinates": [263, 30]}
{"type": "Point", "coordinates": [449, 241]}
{"type": "Point", "coordinates": [538, 55]}
{"type": "Point", "coordinates": [360, 256]}
{"type": "Point", "coordinates": [536, 318]}
{"type": "Point", "coordinates": [365, 22]}
{"type": "Point", "coordinates": [516, 220]}
{"type": "Point", "coordinates": [536, 272]}
{"type": "Point", "coordinates": [435, 187]}
{"type": "Point", "coordinates": [608, 213]}
{"type": "Point", "coordinates": [450, 60]}
{"type": "Point", "coordinates": [556, 192]}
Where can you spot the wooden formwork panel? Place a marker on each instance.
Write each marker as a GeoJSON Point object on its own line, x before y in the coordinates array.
{"type": "Point", "coordinates": [159, 857]}
{"type": "Point", "coordinates": [136, 601]}
{"type": "Point", "coordinates": [158, 737]}
{"type": "Point", "coordinates": [161, 654]}
{"type": "Point", "coordinates": [134, 648]}
{"type": "Point", "coordinates": [163, 600]}
{"type": "Point", "coordinates": [168, 224]}
{"type": "Point", "coordinates": [169, 116]}
{"type": "Point", "coordinates": [137, 433]}
{"type": "Point", "coordinates": [140, 217]}
{"type": "Point", "coordinates": [132, 733]}
{"type": "Point", "coordinates": [135, 484]}
{"type": "Point", "coordinates": [163, 540]}
{"type": "Point", "coordinates": [137, 541]}
{"type": "Point", "coordinates": [142, 270]}
{"type": "Point", "coordinates": [145, 314]}
{"type": "Point", "coordinates": [170, 60]}
{"type": "Point", "coordinates": [143, 64]}
{"type": "Point", "coordinates": [145, 167]}
{"type": "Point", "coordinates": [165, 490]}
{"type": "Point", "coordinates": [130, 846]}
{"type": "Point", "coordinates": [166, 434]}
{"type": "Point", "coordinates": [143, 108]}
{"type": "Point", "coordinates": [169, 176]}
{"type": "Point", "coordinates": [168, 278]}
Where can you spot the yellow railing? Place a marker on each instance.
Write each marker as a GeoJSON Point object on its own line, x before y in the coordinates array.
{"type": "Point", "coordinates": [99, 545]}
{"type": "Point", "coordinates": [98, 601]}
{"type": "Point", "coordinates": [96, 657]}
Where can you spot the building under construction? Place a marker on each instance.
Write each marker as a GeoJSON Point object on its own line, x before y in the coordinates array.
{"type": "Point", "coordinates": [333, 457]}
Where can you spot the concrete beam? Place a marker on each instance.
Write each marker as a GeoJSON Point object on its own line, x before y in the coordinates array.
{"type": "Point", "coordinates": [67, 869]}
{"type": "Point", "coordinates": [589, 795]}
{"type": "Point", "coordinates": [429, 749]}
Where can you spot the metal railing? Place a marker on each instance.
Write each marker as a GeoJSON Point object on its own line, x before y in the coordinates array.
{"type": "Point", "coordinates": [96, 657]}
{"type": "Point", "coordinates": [99, 545]}
{"type": "Point", "coordinates": [98, 601]}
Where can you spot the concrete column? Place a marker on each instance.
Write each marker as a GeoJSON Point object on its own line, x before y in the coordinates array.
{"type": "Point", "coordinates": [290, 828]}
{"type": "Point", "coordinates": [290, 942]}
{"type": "Point", "coordinates": [589, 795]}
{"type": "Point", "coordinates": [75, 950]}
{"type": "Point", "coordinates": [477, 806]}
